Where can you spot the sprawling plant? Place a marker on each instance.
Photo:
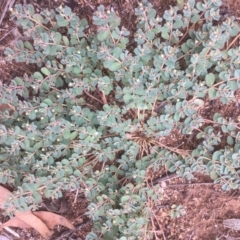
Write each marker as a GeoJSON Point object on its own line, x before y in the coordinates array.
{"type": "Point", "coordinates": [98, 112]}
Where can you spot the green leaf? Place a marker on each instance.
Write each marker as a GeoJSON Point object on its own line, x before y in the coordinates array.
{"type": "Point", "coordinates": [195, 18]}
{"type": "Point", "coordinates": [216, 156]}
{"type": "Point", "coordinates": [45, 37]}
{"type": "Point", "coordinates": [150, 35]}
{"type": "Point", "coordinates": [24, 22]}
{"type": "Point", "coordinates": [45, 71]}
{"type": "Point", "coordinates": [224, 128]}
{"type": "Point", "coordinates": [66, 133]}
{"type": "Point", "coordinates": [165, 35]}
{"type": "Point", "coordinates": [67, 11]}
{"type": "Point", "coordinates": [8, 51]}
{"type": "Point", "coordinates": [124, 199]}
{"type": "Point", "coordinates": [178, 24]}
{"type": "Point", "coordinates": [25, 93]}
{"type": "Point", "coordinates": [28, 45]}
{"type": "Point", "coordinates": [37, 145]}
{"type": "Point", "coordinates": [20, 45]}
{"type": "Point", "coordinates": [216, 116]}
{"type": "Point", "coordinates": [38, 18]}
{"type": "Point", "coordinates": [115, 66]}
{"type": "Point", "coordinates": [117, 52]}
{"type": "Point", "coordinates": [230, 140]}
{"type": "Point", "coordinates": [65, 40]}
{"type": "Point", "coordinates": [108, 63]}
{"type": "Point", "coordinates": [87, 70]}
{"type": "Point", "coordinates": [201, 6]}
{"type": "Point", "coordinates": [73, 135]}
{"type": "Point", "coordinates": [32, 115]}
{"type": "Point", "coordinates": [74, 40]}
{"type": "Point", "coordinates": [57, 37]}
{"type": "Point", "coordinates": [30, 9]}
{"type": "Point", "coordinates": [76, 69]}
{"type": "Point", "coordinates": [213, 175]}
{"type": "Point", "coordinates": [26, 144]}
{"type": "Point", "coordinates": [127, 97]}
{"type": "Point", "coordinates": [224, 75]}
{"type": "Point", "coordinates": [47, 50]}
{"type": "Point", "coordinates": [176, 117]}
{"type": "Point", "coordinates": [19, 81]}
{"type": "Point", "coordinates": [151, 14]}
{"type": "Point", "coordinates": [185, 48]}
{"type": "Point", "coordinates": [53, 50]}
{"type": "Point", "coordinates": [43, 105]}
{"type": "Point", "coordinates": [62, 22]}
{"type": "Point", "coordinates": [210, 79]}
{"type": "Point", "coordinates": [47, 193]}
{"type": "Point", "coordinates": [48, 101]}
{"type": "Point", "coordinates": [77, 173]}
{"type": "Point", "coordinates": [81, 161]}
{"type": "Point", "coordinates": [224, 100]}
{"type": "Point", "coordinates": [237, 74]}
{"type": "Point", "coordinates": [45, 86]}
{"type": "Point", "coordinates": [212, 93]}
{"type": "Point", "coordinates": [232, 85]}
{"type": "Point", "coordinates": [198, 102]}
{"type": "Point", "coordinates": [115, 22]}
{"type": "Point", "coordinates": [102, 36]}
{"type": "Point", "coordinates": [37, 197]}
{"type": "Point", "coordinates": [59, 82]}
{"type": "Point", "coordinates": [65, 162]}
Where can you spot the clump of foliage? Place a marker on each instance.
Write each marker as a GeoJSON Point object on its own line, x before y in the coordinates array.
{"type": "Point", "coordinates": [177, 211]}
{"type": "Point", "coordinates": [95, 114]}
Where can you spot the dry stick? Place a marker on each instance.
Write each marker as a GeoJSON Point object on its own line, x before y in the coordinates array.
{"type": "Point", "coordinates": [155, 234]}
{"type": "Point", "coordinates": [22, 68]}
{"type": "Point", "coordinates": [11, 231]}
{"type": "Point", "coordinates": [163, 234]}
{"type": "Point", "coordinates": [165, 178]}
{"type": "Point", "coordinates": [89, 4]}
{"type": "Point", "coordinates": [120, 5]}
{"type": "Point", "coordinates": [75, 198]}
{"type": "Point", "coordinates": [235, 39]}
{"type": "Point", "coordinates": [7, 34]}
{"type": "Point", "coordinates": [104, 98]}
{"type": "Point", "coordinates": [160, 225]}
{"type": "Point", "coordinates": [189, 184]}
{"type": "Point", "coordinates": [7, 6]}
{"type": "Point", "coordinates": [92, 96]}
{"type": "Point", "coordinates": [145, 233]}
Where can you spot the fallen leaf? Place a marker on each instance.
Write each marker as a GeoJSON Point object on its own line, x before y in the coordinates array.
{"type": "Point", "coordinates": [36, 223]}
{"type": "Point", "coordinates": [4, 195]}
{"type": "Point", "coordinates": [5, 106]}
{"type": "Point", "coordinates": [15, 222]}
{"type": "Point", "coordinates": [52, 219]}
{"type": "Point", "coordinates": [41, 221]}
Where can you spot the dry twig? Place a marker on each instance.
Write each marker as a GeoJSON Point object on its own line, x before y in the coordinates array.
{"type": "Point", "coordinates": [11, 231]}
{"type": "Point", "coordinates": [8, 5]}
